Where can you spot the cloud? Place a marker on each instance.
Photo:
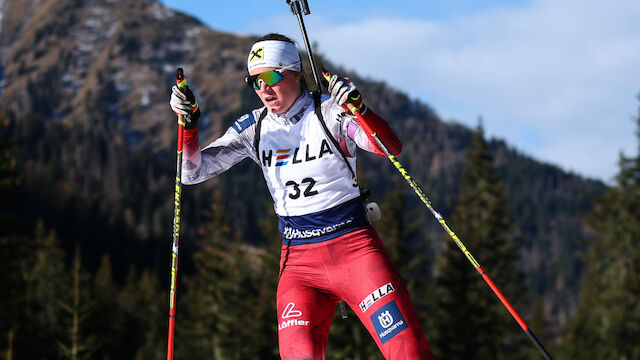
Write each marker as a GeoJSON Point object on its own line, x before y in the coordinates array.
{"type": "Point", "coordinates": [557, 79]}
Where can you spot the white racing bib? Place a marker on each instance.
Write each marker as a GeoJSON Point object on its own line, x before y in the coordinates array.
{"type": "Point", "coordinates": [314, 193]}
{"type": "Point", "coordinates": [303, 170]}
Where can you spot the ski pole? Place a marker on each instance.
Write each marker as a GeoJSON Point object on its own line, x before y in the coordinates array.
{"type": "Point", "coordinates": [182, 83]}
{"type": "Point", "coordinates": [296, 8]}
{"type": "Point", "coordinates": [453, 236]}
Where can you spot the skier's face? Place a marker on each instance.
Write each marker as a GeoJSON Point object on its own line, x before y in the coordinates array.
{"type": "Point", "coordinates": [279, 97]}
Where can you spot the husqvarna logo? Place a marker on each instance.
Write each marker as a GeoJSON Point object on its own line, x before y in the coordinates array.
{"type": "Point", "coordinates": [388, 321]}
{"type": "Point", "coordinates": [385, 319]}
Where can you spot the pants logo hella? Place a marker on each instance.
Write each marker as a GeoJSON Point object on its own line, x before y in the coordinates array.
{"type": "Point", "coordinates": [376, 295]}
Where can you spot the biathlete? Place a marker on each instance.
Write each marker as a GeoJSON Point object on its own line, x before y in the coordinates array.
{"type": "Point", "coordinates": [305, 145]}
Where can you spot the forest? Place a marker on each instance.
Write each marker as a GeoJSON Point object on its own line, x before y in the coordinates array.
{"type": "Point", "coordinates": [59, 307]}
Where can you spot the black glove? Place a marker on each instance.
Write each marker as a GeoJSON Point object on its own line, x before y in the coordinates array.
{"type": "Point", "coordinates": [183, 102]}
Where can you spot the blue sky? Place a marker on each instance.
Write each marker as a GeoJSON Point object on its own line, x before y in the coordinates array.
{"type": "Point", "coordinates": [557, 79]}
{"type": "Point", "coordinates": [233, 16]}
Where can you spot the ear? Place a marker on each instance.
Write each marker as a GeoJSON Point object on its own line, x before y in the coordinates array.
{"type": "Point", "coordinates": [298, 76]}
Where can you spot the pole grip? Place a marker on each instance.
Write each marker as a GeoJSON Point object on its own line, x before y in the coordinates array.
{"type": "Point", "coordinates": [299, 6]}
{"type": "Point", "coordinates": [305, 7]}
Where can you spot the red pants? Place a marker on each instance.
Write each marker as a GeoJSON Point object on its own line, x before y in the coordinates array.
{"type": "Point", "coordinates": [354, 267]}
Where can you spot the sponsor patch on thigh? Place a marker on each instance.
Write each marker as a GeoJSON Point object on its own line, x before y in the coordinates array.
{"type": "Point", "coordinates": [289, 312]}
{"type": "Point", "coordinates": [388, 321]}
{"type": "Point", "coordinates": [376, 295]}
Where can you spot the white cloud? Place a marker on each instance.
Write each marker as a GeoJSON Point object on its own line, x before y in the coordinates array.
{"type": "Point", "coordinates": [557, 79]}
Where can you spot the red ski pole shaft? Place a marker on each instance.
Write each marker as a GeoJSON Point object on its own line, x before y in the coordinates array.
{"type": "Point", "coordinates": [181, 82]}
{"type": "Point", "coordinates": [363, 123]}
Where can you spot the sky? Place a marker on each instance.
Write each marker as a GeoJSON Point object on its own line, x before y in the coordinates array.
{"type": "Point", "coordinates": [558, 80]}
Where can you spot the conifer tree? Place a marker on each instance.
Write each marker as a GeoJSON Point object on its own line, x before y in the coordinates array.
{"type": "Point", "coordinates": [469, 321]}
{"type": "Point", "coordinates": [11, 189]}
{"type": "Point", "coordinates": [399, 229]}
{"type": "Point", "coordinates": [142, 308]}
{"type": "Point", "coordinates": [106, 319]}
{"type": "Point", "coordinates": [12, 247]}
{"type": "Point", "coordinates": [607, 325]}
{"type": "Point", "coordinates": [539, 324]}
{"type": "Point", "coordinates": [226, 304]}
{"type": "Point", "coordinates": [77, 307]}
{"type": "Point", "coordinates": [152, 315]}
{"type": "Point", "coordinates": [45, 275]}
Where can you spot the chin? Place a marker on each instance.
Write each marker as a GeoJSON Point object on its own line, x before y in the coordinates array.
{"type": "Point", "coordinates": [276, 109]}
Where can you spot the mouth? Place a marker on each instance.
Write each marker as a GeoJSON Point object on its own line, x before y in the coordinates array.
{"type": "Point", "coordinates": [270, 99]}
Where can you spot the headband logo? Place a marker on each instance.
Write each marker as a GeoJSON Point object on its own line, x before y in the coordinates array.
{"type": "Point", "coordinates": [257, 54]}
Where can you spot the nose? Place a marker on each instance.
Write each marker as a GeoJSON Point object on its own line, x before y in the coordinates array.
{"type": "Point", "coordinates": [263, 86]}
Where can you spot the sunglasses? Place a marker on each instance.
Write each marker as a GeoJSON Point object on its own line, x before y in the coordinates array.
{"type": "Point", "coordinates": [268, 78]}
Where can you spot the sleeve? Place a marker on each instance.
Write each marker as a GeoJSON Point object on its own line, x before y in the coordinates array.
{"type": "Point", "coordinates": [351, 134]}
{"type": "Point", "coordinates": [236, 144]}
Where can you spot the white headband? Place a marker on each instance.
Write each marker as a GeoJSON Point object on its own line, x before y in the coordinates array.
{"type": "Point", "coordinates": [273, 53]}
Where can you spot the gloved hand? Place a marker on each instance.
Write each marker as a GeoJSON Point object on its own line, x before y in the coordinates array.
{"type": "Point", "coordinates": [183, 102]}
{"type": "Point", "coordinates": [344, 92]}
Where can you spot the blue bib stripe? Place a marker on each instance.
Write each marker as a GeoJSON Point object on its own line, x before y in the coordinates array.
{"type": "Point", "coordinates": [323, 225]}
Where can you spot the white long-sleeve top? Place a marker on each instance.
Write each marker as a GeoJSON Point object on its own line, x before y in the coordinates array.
{"type": "Point", "coordinates": [310, 183]}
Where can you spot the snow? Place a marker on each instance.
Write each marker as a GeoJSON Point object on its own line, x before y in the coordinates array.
{"type": "Point", "coordinates": [161, 12]}
{"type": "Point", "coordinates": [145, 98]}
{"type": "Point", "coordinates": [168, 68]}
{"type": "Point", "coordinates": [121, 87]}
{"type": "Point", "coordinates": [194, 31]}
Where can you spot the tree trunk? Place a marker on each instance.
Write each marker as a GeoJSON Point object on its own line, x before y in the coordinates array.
{"type": "Point", "coordinates": [10, 345]}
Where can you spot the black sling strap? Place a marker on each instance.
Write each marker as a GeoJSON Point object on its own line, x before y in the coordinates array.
{"type": "Point", "coordinates": [256, 138]}
{"type": "Point", "coordinates": [318, 103]}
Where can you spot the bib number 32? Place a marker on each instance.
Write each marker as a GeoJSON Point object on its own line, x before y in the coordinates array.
{"type": "Point", "coordinates": [308, 189]}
